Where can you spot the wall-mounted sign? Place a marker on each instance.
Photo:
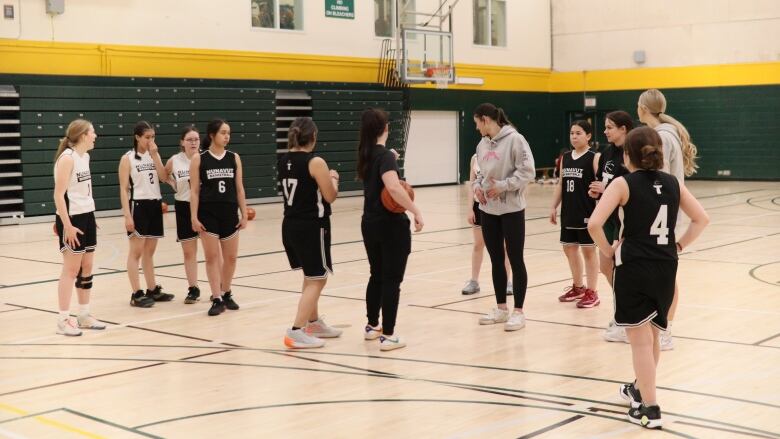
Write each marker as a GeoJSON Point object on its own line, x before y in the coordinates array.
{"type": "Point", "coordinates": [590, 101]}
{"type": "Point", "coordinates": [340, 9]}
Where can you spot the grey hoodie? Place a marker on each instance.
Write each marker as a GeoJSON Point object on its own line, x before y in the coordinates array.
{"type": "Point", "coordinates": [673, 161]}
{"type": "Point", "coordinates": [508, 160]}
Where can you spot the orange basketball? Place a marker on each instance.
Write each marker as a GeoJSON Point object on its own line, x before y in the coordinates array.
{"type": "Point", "coordinates": [250, 213]}
{"type": "Point", "coordinates": [54, 229]}
{"type": "Point", "coordinates": [164, 207]}
{"type": "Point", "coordinates": [390, 204]}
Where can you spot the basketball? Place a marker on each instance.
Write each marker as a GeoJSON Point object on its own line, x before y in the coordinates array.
{"type": "Point", "coordinates": [164, 207]}
{"type": "Point", "coordinates": [54, 229]}
{"type": "Point", "coordinates": [389, 202]}
{"type": "Point", "coordinates": [250, 213]}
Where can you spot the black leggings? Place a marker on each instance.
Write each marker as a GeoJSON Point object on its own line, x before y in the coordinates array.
{"type": "Point", "coordinates": [388, 244]}
{"type": "Point", "coordinates": [509, 228]}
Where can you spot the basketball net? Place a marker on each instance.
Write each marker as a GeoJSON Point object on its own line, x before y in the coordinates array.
{"type": "Point", "coordinates": [441, 77]}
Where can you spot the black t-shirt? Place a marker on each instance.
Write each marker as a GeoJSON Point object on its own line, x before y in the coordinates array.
{"type": "Point", "coordinates": [302, 197]}
{"type": "Point", "coordinates": [649, 217]}
{"type": "Point", "coordinates": [577, 175]}
{"type": "Point", "coordinates": [218, 178]}
{"type": "Point", "coordinates": [382, 160]}
{"type": "Point", "coordinates": [611, 167]}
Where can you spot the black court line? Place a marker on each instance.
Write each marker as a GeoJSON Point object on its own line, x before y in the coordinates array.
{"type": "Point", "coordinates": [750, 202]}
{"type": "Point", "coordinates": [731, 193]}
{"type": "Point", "coordinates": [385, 375]}
{"type": "Point", "coordinates": [491, 295]}
{"type": "Point", "coordinates": [752, 273]}
{"type": "Point", "coordinates": [766, 339]}
{"type": "Point", "coordinates": [551, 427]}
{"type": "Point", "coordinates": [31, 415]}
{"type": "Point", "coordinates": [727, 430]}
{"type": "Point", "coordinates": [399, 400]}
{"type": "Point", "coordinates": [731, 243]}
{"type": "Point", "coordinates": [716, 261]}
{"type": "Point", "coordinates": [601, 327]}
{"type": "Point", "coordinates": [31, 260]}
{"type": "Point", "coordinates": [112, 424]}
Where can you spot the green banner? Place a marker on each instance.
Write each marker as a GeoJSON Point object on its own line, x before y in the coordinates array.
{"type": "Point", "coordinates": [340, 9]}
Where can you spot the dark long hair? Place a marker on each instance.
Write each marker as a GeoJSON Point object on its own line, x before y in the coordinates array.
{"type": "Point", "coordinates": [188, 129]}
{"type": "Point", "coordinates": [621, 119]}
{"type": "Point", "coordinates": [302, 132]}
{"type": "Point", "coordinates": [141, 127]}
{"type": "Point", "coordinates": [645, 149]}
{"type": "Point", "coordinates": [211, 130]}
{"type": "Point", "coordinates": [491, 111]}
{"type": "Point", "coordinates": [372, 124]}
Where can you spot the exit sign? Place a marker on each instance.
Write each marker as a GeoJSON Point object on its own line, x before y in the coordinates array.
{"type": "Point", "coordinates": [340, 9]}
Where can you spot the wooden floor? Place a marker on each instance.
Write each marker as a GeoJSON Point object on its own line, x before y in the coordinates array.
{"type": "Point", "coordinates": [173, 372]}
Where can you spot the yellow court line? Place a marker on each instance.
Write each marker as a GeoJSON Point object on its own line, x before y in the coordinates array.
{"type": "Point", "coordinates": [56, 424]}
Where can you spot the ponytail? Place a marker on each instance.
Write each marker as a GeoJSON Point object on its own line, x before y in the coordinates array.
{"type": "Point", "coordinates": [645, 149]}
{"type": "Point", "coordinates": [491, 111]}
{"type": "Point", "coordinates": [141, 127]}
{"type": "Point", "coordinates": [689, 150]}
{"type": "Point", "coordinates": [372, 124]}
{"type": "Point", "coordinates": [73, 133]}
{"type": "Point", "coordinates": [302, 132]}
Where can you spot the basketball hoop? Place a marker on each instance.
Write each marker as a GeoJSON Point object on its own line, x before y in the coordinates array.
{"type": "Point", "coordinates": [439, 75]}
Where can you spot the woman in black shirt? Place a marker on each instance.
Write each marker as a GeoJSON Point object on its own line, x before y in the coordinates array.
{"type": "Point", "coordinates": [386, 235]}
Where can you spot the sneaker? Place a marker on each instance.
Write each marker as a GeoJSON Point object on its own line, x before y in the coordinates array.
{"type": "Point", "coordinates": [320, 329]}
{"type": "Point", "coordinates": [140, 300]}
{"type": "Point", "coordinates": [217, 306]}
{"type": "Point", "coordinates": [89, 322]}
{"type": "Point", "coordinates": [158, 296]}
{"type": "Point", "coordinates": [472, 287]}
{"type": "Point", "coordinates": [630, 393]}
{"type": "Point", "coordinates": [509, 289]}
{"type": "Point", "coordinates": [572, 293]}
{"type": "Point", "coordinates": [615, 333]}
{"type": "Point", "coordinates": [230, 304]}
{"type": "Point", "coordinates": [66, 327]}
{"type": "Point", "coordinates": [516, 321]}
{"type": "Point", "coordinates": [589, 299]}
{"type": "Point", "coordinates": [372, 332]}
{"type": "Point", "coordinates": [496, 315]}
{"type": "Point", "coordinates": [665, 339]}
{"type": "Point", "coordinates": [646, 416]}
{"type": "Point", "coordinates": [193, 295]}
{"type": "Point", "coordinates": [390, 342]}
{"type": "Point", "coordinates": [299, 339]}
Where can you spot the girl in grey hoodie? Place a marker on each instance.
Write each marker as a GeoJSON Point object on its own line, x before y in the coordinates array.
{"type": "Point", "coordinates": [506, 166]}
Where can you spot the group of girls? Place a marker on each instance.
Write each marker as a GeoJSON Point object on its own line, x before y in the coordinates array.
{"type": "Point", "coordinates": [209, 195]}
{"type": "Point", "coordinates": [641, 174]}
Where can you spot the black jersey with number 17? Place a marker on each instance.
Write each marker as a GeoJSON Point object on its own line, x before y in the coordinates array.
{"type": "Point", "coordinates": [218, 178]}
{"type": "Point", "coordinates": [302, 197]}
{"type": "Point", "coordinates": [649, 217]}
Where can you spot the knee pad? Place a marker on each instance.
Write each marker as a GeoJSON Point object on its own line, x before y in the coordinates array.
{"type": "Point", "coordinates": [84, 283]}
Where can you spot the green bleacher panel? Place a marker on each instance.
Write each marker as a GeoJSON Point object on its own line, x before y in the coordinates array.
{"type": "Point", "coordinates": [75, 92]}
{"type": "Point", "coordinates": [107, 104]}
{"type": "Point", "coordinates": [357, 95]}
{"type": "Point", "coordinates": [108, 129]}
{"type": "Point", "coordinates": [327, 115]}
{"type": "Point", "coordinates": [200, 118]}
{"type": "Point", "coordinates": [356, 105]}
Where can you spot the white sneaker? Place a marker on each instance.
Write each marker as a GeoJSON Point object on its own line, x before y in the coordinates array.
{"type": "Point", "coordinates": [298, 339]}
{"type": "Point", "coordinates": [67, 327]}
{"type": "Point", "coordinates": [471, 287]}
{"type": "Point", "coordinates": [372, 332]}
{"type": "Point", "coordinates": [89, 322]}
{"type": "Point", "coordinates": [390, 342]}
{"type": "Point", "coordinates": [320, 329]}
{"type": "Point", "coordinates": [516, 321]}
{"type": "Point", "coordinates": [665, 339]}
{"type": "Point", "coordinates": [496, 315]}
{"type": "Point", "coordinates": [615, 333]}
{"type": "Point", "coordinates": [509, 289]}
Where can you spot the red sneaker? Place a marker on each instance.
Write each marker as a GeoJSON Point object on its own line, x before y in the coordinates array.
{"type": "Point", "coordinates": [589, 300]}
{"type": "Point", "coordinates": [572, 293]}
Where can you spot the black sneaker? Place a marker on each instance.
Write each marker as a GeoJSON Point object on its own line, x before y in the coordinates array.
{"type": "Point", "coordinates": [140, 300]}
{"type": "Point", "coordinates": [217, 307]}
{"type": "Point", "coordinates": [630, 393]}
{"type": "Point", "coordinates": [158, 296]}
{"type": "Point", "coordinates": [230, 304]}
{"type": "Point", "coordinates": [646, 416]}
{"type": "Point", "coordinates": [193, 295]}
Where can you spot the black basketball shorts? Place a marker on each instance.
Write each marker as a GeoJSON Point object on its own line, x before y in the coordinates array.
{"type": "Point", "coordinates": [307, 244]}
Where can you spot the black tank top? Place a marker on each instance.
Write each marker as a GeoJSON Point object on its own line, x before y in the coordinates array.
{"type": "Point", "coordinates": [302, 197]}
{"type": "Point", "coordinates": [218, 178]}
{"type": "Point", "coordinates": [577, 174]}
{"type": "Point", "coordinates": [649, 217]}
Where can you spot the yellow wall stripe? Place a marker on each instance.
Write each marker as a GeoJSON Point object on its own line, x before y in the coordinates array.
{"type": "Point", "coordinates": [35, 57]}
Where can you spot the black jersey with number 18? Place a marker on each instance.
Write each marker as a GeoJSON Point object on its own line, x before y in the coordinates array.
{"type": "Point", "coordinates": [218, 178]}
{"type": "Point", "coordinates": [576, 176]}
{"type": "Point", "coordinates": [302, 197]}
{"type": "Point", "coordinates": [649, 217]}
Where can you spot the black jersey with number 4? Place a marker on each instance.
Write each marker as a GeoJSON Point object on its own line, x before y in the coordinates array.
{"type": "Point", "coordinates": [218, 178]}
{"type": "Point", "coordinates": [302, 197]}
{"type": "Point", "coordinates": [576, 176]}
{"type": "Point", "coordinates": [649, 217]}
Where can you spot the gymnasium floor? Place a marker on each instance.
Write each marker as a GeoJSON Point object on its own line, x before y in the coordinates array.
{"type": "Point", "coordinates": [173, 372]}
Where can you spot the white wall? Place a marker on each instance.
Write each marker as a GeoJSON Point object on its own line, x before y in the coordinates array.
{"type": "Point", "coordinates": [206, 24]}
{"type": "Point", "coordinates": [603, 35]}
{"type": "Point", "coordinates": [432, 148]}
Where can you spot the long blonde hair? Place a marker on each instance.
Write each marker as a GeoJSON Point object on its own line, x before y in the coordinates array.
{"type": "Point", "coordinates": [655, 103]}
{"type": "Point", "coordinates": [76, 129]}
